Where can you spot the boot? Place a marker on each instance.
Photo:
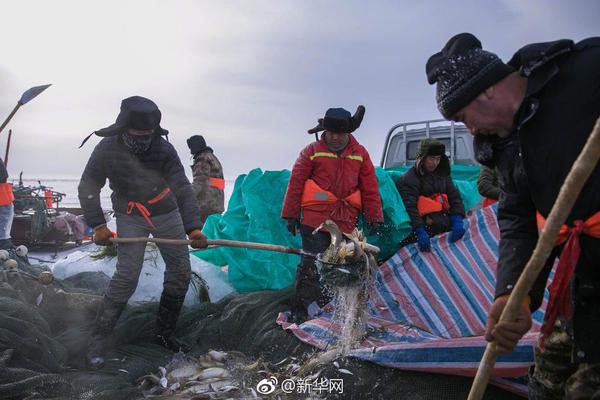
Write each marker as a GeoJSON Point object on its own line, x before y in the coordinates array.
{"type": "Point", "coordinates": [168, 314]}
{"type": "Point", "coordinates": [106, 319]}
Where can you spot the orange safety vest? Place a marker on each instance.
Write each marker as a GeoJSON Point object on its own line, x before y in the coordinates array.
{"type": "Point", "coordinates": [314, 194]}
{"type": "Point", "coordinates": [218, 183]}
{"type": "Point", "coordinates": [143, 209]}
{"type": "Point", "coordinates": [559, 302]}
{"type": "Point", "coordinates": [435, 203]}
{"type": "Point", "coordinates": [6, 194]}
{"type": "Point", "coordinates": [48, 198]}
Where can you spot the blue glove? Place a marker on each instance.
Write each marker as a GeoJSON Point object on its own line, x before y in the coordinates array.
{"type": "Point", "coordinates": [456, 227]}
{"type": "Point", "coordinates": [423, 239]}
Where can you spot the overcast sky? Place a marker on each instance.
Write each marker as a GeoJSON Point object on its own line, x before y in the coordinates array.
{"type": "Point", "coordinates": [251, 76]}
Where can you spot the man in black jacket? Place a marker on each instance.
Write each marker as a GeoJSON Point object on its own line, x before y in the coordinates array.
{"type": "Point", "coordinates": [432, 201]}
{"type": "Point", "coordinates": [535, 114]}
{"type": "Point", "coordinates": [151, 195]}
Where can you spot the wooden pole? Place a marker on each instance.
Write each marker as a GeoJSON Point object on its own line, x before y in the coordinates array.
{"type": "Point", "coordinates": [12, 113]}
{"type": "Point", "coordinates": [234, 243]}
{"type": "Point", "coordinates": [216, 242]}
{"type": "Point", "coordinates": [580, 171]}
{"type": "Point", "coordinates": [7, 148]}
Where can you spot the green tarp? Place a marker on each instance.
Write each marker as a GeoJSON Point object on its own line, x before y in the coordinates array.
{"type": "Point", "coordinates": [253, 215]}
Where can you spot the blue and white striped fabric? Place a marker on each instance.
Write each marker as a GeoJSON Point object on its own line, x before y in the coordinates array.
{"type": "Point", "coordinates": [427, 311]}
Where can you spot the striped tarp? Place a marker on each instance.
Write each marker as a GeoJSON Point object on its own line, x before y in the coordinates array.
{"type": "Point", "coordinates": [427, 311]}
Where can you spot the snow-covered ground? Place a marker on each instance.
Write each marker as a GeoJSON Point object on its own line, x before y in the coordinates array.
{"type": "Point", "coordinates": [78, 259]}
{"type": "Point", "coordinates": [151, 278]}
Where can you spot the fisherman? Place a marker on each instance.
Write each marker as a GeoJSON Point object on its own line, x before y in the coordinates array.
{"type": "Point", "coordinates": [432, 201]}
{"type": "Point", "coordinates": [488, 185]}
{"type": "Point", "coordinates": [151, 195]}
{"type": "Point", "coordinates": [535, 114]}
{"type": "Point", "coordinates": [333, 178]}
{"type": "Point", "coordinates": [7, 211]}
{"type": "Point", "coordinates": [208, 183]}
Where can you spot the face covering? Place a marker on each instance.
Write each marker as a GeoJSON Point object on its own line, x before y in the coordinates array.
{"type": "Point", "coordinates": [137, 144]}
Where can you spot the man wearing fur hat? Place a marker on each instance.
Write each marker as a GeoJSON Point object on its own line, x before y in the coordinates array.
{"type": "Point", "coordinates": [208, 183]}
{"type": "Point", "coordinates": [150, 195]}
{"type": "Point", "coordinates": [531, 118]}
{"type": "Point", "coordinates": [432, 201]}
{"type": "Point", "coordinates": [333, 178]}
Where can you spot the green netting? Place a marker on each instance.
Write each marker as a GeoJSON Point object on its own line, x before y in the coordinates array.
{"type": "Point", "coordinates": [254, 214]}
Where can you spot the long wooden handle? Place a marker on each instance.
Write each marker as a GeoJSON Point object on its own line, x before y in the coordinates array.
{"type": "Point", "coordinates": [369, 248]}
{"type": "Point", "coordinates": [215, 242]}
{"type": "Point", "coordinates": [580, 172]}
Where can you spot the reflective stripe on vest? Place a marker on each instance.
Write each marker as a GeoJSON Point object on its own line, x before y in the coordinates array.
{"type": "Point", "coordinates": [313, 194]}
{"type": "Point", "coordinates": [217, 183]}
{"type": "Point", "coordinates": [437, 202]}
{"type": "Point", "coordinates": [559, 303]}
{"type": "Point", "coordinates": [6, 194]}
{"type": "Point", "coordinates": [355, 157]}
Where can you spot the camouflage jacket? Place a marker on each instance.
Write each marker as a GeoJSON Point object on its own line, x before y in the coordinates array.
{"type": "Point", "coordinates": [211, 200]}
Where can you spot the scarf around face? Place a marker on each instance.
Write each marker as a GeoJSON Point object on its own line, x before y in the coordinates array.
{"type": "Point", "coordinates": [137, 144]}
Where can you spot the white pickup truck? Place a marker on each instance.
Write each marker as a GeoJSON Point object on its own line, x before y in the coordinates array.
{"type": "Point", "coordinates": [402, 142]}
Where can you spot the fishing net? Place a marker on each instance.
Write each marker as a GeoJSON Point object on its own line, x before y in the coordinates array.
{"type": "Point", "coordinates": [43, 338]}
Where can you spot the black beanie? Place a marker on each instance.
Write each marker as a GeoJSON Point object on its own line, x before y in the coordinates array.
{"type": "Point", "coordinates": [462, 70]}
{"type": "Point", "coordinates": [196, 144]}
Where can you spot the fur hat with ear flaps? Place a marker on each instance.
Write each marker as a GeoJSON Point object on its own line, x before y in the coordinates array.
{"type": "Point", "coordinates": [136, 112]}
{"type": "Point", "coordinates": [340, 120]}
{"type": "Point", "coordinates": [432, 147]}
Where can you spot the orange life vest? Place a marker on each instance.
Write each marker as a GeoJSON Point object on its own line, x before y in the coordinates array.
{"type": "Point", "coordinates": [218, 183]}
{"type": "Point", "coordinates": [435, 203]}
{"type": "Point", "coordinates": [48, 198]}
{"type": "Point", "coordinates": [6, 194]}
{"type": "Point", "coordinates": [314, 194]}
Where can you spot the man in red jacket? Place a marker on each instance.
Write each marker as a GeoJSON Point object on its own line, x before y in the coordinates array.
{"type": "Point", "coordinates": [333, 178]}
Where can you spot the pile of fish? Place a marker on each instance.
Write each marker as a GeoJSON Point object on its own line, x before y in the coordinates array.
{"type": "Point", "coordinates": [205, 377]}
{"type": "Point", "coordinates": [227, 375]}
{"type": "Point", "coordinates": [214, 375]}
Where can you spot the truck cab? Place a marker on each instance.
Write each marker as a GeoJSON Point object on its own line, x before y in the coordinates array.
{"type": "Point", "coordinates": [402, 142]}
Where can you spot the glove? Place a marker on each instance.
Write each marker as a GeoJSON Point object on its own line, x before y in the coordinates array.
{"type": "Point", "coordinates": [199, 240]}
{"type": "Point", "coordinates": [102, 236]}
{"type": "Point", "coordinates": [423, 239]}
{"type": "Point", "coordinates": [292, 225]}
{"type": "Point", "coordinates": [456, 227]}
{"type": "Point", "coordinates": [506, 334]}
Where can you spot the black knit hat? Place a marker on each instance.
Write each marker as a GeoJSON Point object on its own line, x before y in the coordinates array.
{"type": "Point", "coordinates": [196, 144]}
{"type": "Point", "coordinates": [462, 70]}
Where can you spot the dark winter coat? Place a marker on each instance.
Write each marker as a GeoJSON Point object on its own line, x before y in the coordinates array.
{"type": "Point", "coordinates": [211, 200]}
{"type": "Point", "coordinates": [561, 105]}
{"type": "Point", "coordinates": [417, 182]}
{"type": "Point", "coordinates": [137, 178]}
{"type": "Point", "coordinates": [341, 174]}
